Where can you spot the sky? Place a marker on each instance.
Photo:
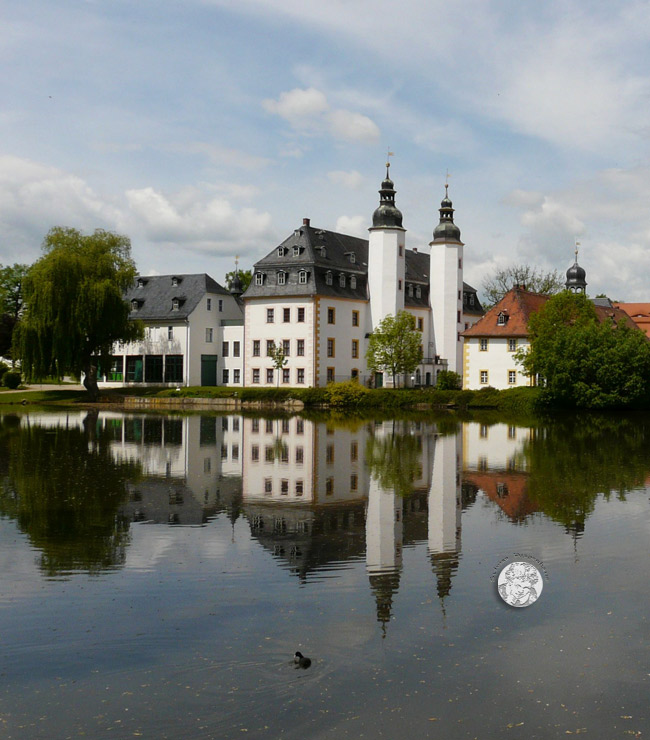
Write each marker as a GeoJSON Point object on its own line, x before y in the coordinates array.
{"type": "Point", "coordinates": [208, 129]}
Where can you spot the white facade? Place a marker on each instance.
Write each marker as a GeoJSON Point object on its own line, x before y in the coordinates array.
{"type": "Point", "coordinates": [490, 361]}
{"type": "Point", "coordinates": [386, 269]}
{"type": "Point", "coordinates": [447, 301]}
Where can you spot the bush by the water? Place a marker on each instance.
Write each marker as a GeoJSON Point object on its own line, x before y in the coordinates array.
{"type": "Point", "coordinates": [11, 379]}
{"type": "Point", "coordinates": [448, 380]}
{"type": "Point", "coordinates": [347, 393]}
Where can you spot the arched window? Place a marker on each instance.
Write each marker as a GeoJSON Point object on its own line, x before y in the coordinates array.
{"type": "Point", "coordinates": [328, 278]}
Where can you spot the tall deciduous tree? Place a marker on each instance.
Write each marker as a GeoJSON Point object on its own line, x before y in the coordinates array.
{"type": "Point", "coordinates": [75, 310]}
{"type": "Point", "coordinates": [495, 286]}
{"type": "Point", "coordinates": [395, 346]}
{"type": "Point", "coordinates": [278, 358]}
{"type": "Point", "coordinates": [585, 362]}
{"type": "Point", "coordinates": [11, 302]}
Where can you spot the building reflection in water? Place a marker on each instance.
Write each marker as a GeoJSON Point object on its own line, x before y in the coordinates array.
{"type": "Point", "coordinates": [318, 497]}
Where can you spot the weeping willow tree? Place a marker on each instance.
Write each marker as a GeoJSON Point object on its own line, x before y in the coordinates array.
{"type": "Point", "coordinates": [75, 307]}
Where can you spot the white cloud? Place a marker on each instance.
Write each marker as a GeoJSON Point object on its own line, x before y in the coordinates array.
{"type": "Point", "coordinates": [308, 112]}
{"type": "Point", "coordinates": [352, 225]}
{"type": "Point", "coordinates": [351, 179]}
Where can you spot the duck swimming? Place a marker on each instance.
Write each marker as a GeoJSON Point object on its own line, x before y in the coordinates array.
{"type": "Point", "coordinates": [300, 660]}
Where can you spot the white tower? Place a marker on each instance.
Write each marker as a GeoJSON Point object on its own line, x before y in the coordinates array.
{"type": "Point", "coordinates": [446, 270]}
{"type": "Point", "coordinates": [386, 256]}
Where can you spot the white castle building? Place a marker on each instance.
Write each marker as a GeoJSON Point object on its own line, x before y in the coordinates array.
{"type": "Point", "coordinates": [321, 294]}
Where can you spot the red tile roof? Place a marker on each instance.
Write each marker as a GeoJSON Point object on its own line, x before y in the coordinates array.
{"type": "Point", "coordinates": [639, 313]}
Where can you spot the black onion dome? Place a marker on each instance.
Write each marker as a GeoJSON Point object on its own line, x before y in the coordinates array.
{"type": "Point", "coordinates": [236, 286]}
{"type": "Point", "coordinates": [387, 215]}
{"type": "Point", "coordinates": [446, 230]}
{"type": "Point", "coordinates": [575, 273]}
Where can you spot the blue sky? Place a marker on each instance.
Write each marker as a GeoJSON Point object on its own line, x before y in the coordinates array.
{"type": "Point", "coordinates": [204, 129]}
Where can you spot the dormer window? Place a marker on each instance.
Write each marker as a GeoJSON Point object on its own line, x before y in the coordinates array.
{"type": "Point", "coordinates": [135, 304]}
{"type": "Point", "coordinates": [418, 291]}
{"type": "Point", "coordinates": [353, 282]}
{"type": "Point", "coordinates": [176, 304]}
{"type": "Point", "coordinates": [342, 280]}
{"type": "Point", "coordinates": [282, 277]}
{"type": "Point", "coordinates": [175, 280]}
{"type": "Point", "coordinates": [471, 299]}
{"type": "Point", "coordinates": [502, 318]}
{"type": "Point", "coordinates": [410, 290]}
{"type": "Point", "coordinates": [302, 277]}
{"type": "Point", "coordinates": [328, 278]}
{"type": "Point", "coordinates": [282, 251]}
{"type": "Point", "coordinates": [323, 252]}
{"type": "Point", "coordinates": [259, 278]}
{"type": "Point", "coordinates": [351, 257]}
{"type": "Point", "coordinates": [296, 251]}
{"type": "Point", "coordinates": [141, 282]}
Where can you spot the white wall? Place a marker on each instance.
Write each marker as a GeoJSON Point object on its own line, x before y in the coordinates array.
{"type": "Point", "coordinates": [497, 359]}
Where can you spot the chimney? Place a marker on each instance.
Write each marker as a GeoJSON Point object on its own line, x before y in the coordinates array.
{"type": "Point", "coordinates": [415, 249]}
{"type": "Point", "coordinates": [305, 222]}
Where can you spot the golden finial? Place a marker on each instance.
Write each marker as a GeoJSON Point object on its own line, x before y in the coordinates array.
{"type": "Point", "coordinates": [576, 250]}
{"type": "Point", "coordinates": [389, 154]}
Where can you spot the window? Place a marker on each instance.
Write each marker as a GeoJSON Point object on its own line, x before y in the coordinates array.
{"type": "Point", "coordinates": [330, 374]}
{"type": "Point", "coordinates": [301, 315]}
{"type": "Point", "coordinates": [460, 263]}
{"type": "Point", "coordinates": [208, 304]}
{"type": "Point", "coordinates": [284, 486]}
{"type": "Point", "coordinates": [502, 318]}
{"type": "Point", "coordinates": [329, 455]}
{"type": "Point", "coordinates": [353, 282]}
{"type": "Point", "coordinates": [255, 453]}
{"type": "Point", "coordinates": [269, 315]}
{"type": "Point", "coordinates": [296, 251]}
{"type": "Point", "coordinates": [256, 347]}
{"type": "Point", "coordinates": [176, 304]}
{"type": "Point", "coordinates": [282, 276]}
{"type": "Point", "coordinates": [409, 289]}
{"type": "Point", "coordinates": [236, 376]}
{"type": "Point", "coordinates": [512, 377]}
{"type": "Point", "coordinates": [225, 349]}
{"type": "Point", "coordinates": [208, 335]}
{"type": "Point", "coordinates": [153, 368]}
{"type": "Point", "coordinates": [512, 345]}
{"type": "Point", "coordinates": [225, 376]}
{"type": "Point", "coordinates": [355, 348]}
{"type": "Point", "coordinates": [300, 426]}
{"type": "Point", "coordinates": [512, 432]}
{"type": "Point", "coordinates": [399, 284]}
{"type": "Point", "coordinates": [483, 432]}
{"type": "Point", "coordinates": [255, 425]}
{"type": "Point", "coordinates": [342, 280]}
{"type": "Point", "coordinates": [354, 451]}
{"type": "Point", "coordinates": [484, 377]}
{"type": "Point", "coordinates": [353, 482]}
{"type": "Point", "coordinates": [355, 318]}
{"type": "Point", "coordinates": [259, 278]}
{"type": "Point", "coordinates": [300, 375]}
{"type": "Point", "coordinates": [418, 291]}
{"type": "Point", "coordinates": [170, 333]}
{"type": "Point", "coordinates": [331, 315]}
{"type": "Point", "coordinates": [286, 347]}
{"type": "Point", "coordinates": [174, 281]}
{"type": "Point", "coordinates": [269, 426]}
{"type": "Point", "coordinates": [420, 324]}
{"type": "Point", "coordinates": [302, 277]}
{"type": "Point", "coordinates": [235, 349]}
{"type": "Point", "coordinates": [328, 278]}
{"type": "Point", "coordinates": [174, 369]}
{"type": "Point", "coordinates": [141, 283]}
{"type": "Point", "coordinates": [331, 347]}
{"type": "Point", "coordinates": [235, 424]}
{"type": "Point", "coordinates": [256, 375]}
{"type": "Point", "coordinates": [299, 488]}
{"type": "Point", "coordinates": [286, 315]}
{"type": "Point", "coordinates": [483, 344]}
{"type": "Point", "coordinates": [234, 454]}
{"type": "Point", "coordinates": [270, 346]}
{"type": "Point", "coordinates": [300, 455]}
{"type": "Point", "coordinates": [268, 485]}
{"type": "Point", "coordinates": [281, 251]}
{"type": "Point", "coordinates": [220, 305]}
{"type": "Point", "coordinates": [285, 375]}
{"type": "Point", "coordinates": [401, 250]}
{"type": "Point", "coordinates": [269, 374]}
{"type": "Point", "coordinates": [471, 299]}
{"type": "Point", "coordinates": [300, 347]}
{"type": "Point", "coordinates": [329, 486]}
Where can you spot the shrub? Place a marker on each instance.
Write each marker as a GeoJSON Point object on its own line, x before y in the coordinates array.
{"type": "Point", "coordinates": [347, 393]}
{"type": "Point", "coordinates": [11, 379]}
{"type": "Point", "coordinates": [448, 380]}
{"type": "Point", "coordinates": [4, 368]}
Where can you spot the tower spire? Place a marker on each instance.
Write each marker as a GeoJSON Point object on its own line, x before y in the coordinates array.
{"type": "Point", "coordinates": [387, 215]}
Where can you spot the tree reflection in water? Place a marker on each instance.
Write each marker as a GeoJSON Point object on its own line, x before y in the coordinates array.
{"type": "Point", "coordinates": [63, 488]}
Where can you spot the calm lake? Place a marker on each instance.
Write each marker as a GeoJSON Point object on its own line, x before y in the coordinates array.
{"type": "Point", "coordinates": [159, 572]}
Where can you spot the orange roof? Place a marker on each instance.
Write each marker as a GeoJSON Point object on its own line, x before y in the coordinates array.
{"type": "Point", "coordinates": [639, 313]}
{"type": "Point", "coordinates": [508, 490]}
{"type": "Point", "coordinates": [518, 305]}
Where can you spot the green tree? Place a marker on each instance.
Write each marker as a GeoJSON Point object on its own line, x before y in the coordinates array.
{"type": "Point", "coordinates": [585, 362]}
{"type": "Point", "coordinates": [75, 310]}
{"type": "Point", "coordinates": [496, 285]}
{"type": "Point", "coordinates": [279, 360]}
{"type": "Point", "coordinates": [395, 459]}
{"type": "Point", "coordinates": [11, 302]}
{"type": "Point", "coordinates": [395, 346]}
{"type": "Point", "coordinates": [245, 276]}
{"type": "Point", "coordinates": [448, 380]}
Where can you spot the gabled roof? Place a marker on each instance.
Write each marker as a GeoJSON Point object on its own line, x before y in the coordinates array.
{"type": "Point", "coordinates": [319, 252]}
{"type": "Point", "coordinates": [156, 294]}
{"type": "Point", "coordinates": [518, 305]}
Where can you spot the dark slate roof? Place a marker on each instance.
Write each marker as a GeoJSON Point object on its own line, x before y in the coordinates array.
{"type": "Point", "coordinates": [304, 250]}
{"type": "Point", "coordinates": [157, 293]}
{"type": "Point", "coordinates": [471, 308]}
